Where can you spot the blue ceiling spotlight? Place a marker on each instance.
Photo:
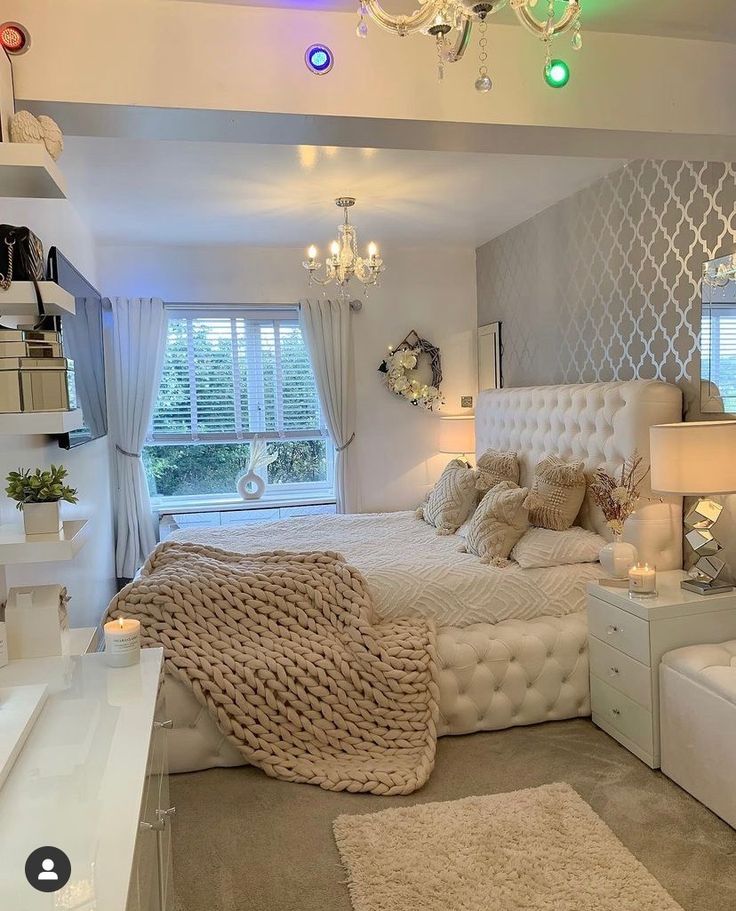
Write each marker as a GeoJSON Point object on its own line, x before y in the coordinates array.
{"type": "Point", "coordinates": [319, 59]}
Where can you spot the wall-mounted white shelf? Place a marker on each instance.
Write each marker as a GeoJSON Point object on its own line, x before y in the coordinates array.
{"type": "Point", "coordinates": [41, 422]}
{"type": "Point", "coordinates": [20, 298]}
{"type": "Point", "coordinates": [28, 171]}
{"type": "Point", "coordinates": [16, 547]}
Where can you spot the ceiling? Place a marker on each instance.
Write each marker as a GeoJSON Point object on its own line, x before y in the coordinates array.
{"type": "Point", "coordinates": [711, 20]}
{"type": "Point", "coordinates": [143, 191]}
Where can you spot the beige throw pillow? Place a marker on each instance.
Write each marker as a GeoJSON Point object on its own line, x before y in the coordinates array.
{"type": "Point", "coordinates": [452, 498]}
{"type": "Point", "coordinates": [498, 523]}
{"type": "Point", "coordinates": [558, 493]}
{"type": "Point", "coordinates": [494, 467]}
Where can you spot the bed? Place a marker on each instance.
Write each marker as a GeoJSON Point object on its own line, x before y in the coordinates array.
{"type": "Point", "coordinates": [512, 643]}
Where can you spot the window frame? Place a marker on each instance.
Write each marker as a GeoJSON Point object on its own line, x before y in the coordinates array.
{"type": "Point", "coordinates": [290, 491]}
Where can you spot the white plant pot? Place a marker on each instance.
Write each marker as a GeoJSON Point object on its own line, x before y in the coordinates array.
{"type": "Point", "coordinates": [251, 486]}
{"type": "Point", "coordinates": [41, 518]}
{"type": "Point", "coordinates": [617, 558]}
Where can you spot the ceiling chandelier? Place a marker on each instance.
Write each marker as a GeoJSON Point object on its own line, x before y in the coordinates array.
{"type": "Point", "coordinates": [344, 263]}
{"type": "Point", "coordinates": [450, 23]}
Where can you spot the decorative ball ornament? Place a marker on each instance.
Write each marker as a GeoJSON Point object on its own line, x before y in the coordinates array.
{"type": "Point", "coordinates": [484, 83]}
{"type": "Point", "coordinates": [557, 74]}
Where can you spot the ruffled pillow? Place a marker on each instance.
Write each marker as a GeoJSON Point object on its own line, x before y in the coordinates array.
{"type": "Point", "coordinates": [558, 493]}
{"type": "Point", "coordinates": [452, 499]}
{"type": "Point", "coordinates": [543, 547]}
{"type": "Point", "coordinates": [494, 467]}
{"type": "Point", "coordinates": [500, 520]}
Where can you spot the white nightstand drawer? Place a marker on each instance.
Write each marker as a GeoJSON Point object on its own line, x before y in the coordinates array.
{"type": "Point", "coordinates": [622, 713]}
{"type": "Point", "coordinates": [623, 631]}
{"type": "Point", "coordinates": [623, 673]}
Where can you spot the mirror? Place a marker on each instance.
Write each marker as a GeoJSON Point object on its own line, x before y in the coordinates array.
{"type": "Point", "coordinates": [718, 337]}
{"type": "Point", "coordinates": [489, 357]}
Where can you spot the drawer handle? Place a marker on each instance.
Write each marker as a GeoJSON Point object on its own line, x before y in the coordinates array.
{"type": "Point", "coordinates": [616, 712]}
{"type": "Point", "coordinates": [164, 724]}
{"type": "Point", "coordinates": [613, 671]}
{"type": "Point", "coordinates": [612, 630]}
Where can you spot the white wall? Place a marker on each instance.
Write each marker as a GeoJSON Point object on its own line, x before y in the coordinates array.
{"type": "Point", "coordinates": [90, 578]}
{"type": "Point", "coordinates": [430, 290]}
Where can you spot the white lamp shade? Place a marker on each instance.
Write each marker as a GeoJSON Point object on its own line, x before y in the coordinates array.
{"type": "Point", "coordinates": [693, 459]}
{"type": "Point", "coordinates": [457, 434]}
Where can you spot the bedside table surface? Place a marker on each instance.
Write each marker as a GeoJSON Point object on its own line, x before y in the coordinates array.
{"type": "Point", "coordinates": [671, 600]}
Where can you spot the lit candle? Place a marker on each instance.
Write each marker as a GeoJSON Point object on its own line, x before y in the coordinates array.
{"type": "Point", "coordinates": [122, 642]}
{"type": "Point", "coordinates": [642, 579]}
{"type": "Point", "coordinates": [334, 248]}
{"type": "Point", "coordinates": [372, 250]}
{"type": "Point", "coordinates": [312, 253]}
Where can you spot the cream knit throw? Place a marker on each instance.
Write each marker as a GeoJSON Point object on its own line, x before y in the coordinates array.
{"type": "Point", "coordinates": [284, 652]}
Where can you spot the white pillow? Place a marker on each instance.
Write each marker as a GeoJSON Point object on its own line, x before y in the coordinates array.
{"type": "Point", "coordinates": [544, 547]}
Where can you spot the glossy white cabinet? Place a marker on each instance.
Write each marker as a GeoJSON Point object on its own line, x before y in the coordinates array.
{"type": "Point", "coordinates": [92, 781]}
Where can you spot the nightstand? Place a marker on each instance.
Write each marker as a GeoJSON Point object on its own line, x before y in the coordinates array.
{"type": "Point", "coordinates": [627, 638]}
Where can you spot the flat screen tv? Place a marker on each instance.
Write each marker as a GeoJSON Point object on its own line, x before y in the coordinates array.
{"type": "Point", "coordinates": [83, 344]}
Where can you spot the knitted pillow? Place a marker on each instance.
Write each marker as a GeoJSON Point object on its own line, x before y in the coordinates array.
{"type": "Point", "coordinates": [558, 493]}
{"type": "Point", "coordinates": [494, 467]}
{"type": "Point", "coordinates": [452, 498]}
{"type": "Point", "coordinates": [500, 520]}
{"type": "Point", "coordinates": [543, 547]}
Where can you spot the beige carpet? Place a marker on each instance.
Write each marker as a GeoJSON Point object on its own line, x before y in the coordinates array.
{"type": "Point", "coordinates": [539, 849]}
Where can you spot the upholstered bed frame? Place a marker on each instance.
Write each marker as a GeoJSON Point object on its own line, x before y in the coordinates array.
{"type": "Point", "coordinates": [494, 676]}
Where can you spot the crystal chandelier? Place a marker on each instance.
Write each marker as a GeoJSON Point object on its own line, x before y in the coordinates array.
{"type": "Point", "coordinates": [450, 23]}
{"type": "Point", "coordinates": [344, 263]}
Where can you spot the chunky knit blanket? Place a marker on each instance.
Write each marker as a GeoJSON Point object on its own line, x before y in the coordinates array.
{"type": "Point", "coordinates": [283, 650]}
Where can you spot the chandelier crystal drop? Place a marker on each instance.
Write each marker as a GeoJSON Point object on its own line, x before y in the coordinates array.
{"type": "Point", "coordinates": [450, 24]}
{"type": "Point", "coordinates": [344, 263]}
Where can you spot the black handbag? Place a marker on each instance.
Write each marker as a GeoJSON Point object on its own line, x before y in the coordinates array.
{"type": "Point", "coordinates": [21, 256]}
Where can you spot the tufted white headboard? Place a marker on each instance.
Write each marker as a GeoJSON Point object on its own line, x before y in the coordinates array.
{"type": "Point", "coordinates": [600, 423]}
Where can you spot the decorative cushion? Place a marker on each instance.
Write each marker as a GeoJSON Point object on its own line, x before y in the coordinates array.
{"type": "Point", "coordinates": [452, 498]}
{"type": "Point", "coordinates": [500, 520]}
{"type": "Point", "coordinates": [544, 547]}
{"type": "Point", "coordinates": [558, 493]}
{"type": "Point", "coordinates": [494, 466]}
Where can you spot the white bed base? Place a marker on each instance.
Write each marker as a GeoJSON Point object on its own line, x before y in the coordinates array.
{"type": "Point", "coordinates": [516, 672]}
{"type": "Point", "coordinates": [491, 676]}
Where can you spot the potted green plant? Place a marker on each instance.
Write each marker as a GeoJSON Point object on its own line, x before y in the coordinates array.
{"type": "Point", "coordinates": [38, 495]}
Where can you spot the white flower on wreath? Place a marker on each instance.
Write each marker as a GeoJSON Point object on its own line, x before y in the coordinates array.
{"type": "Point", "coordinates": [400, 384]}
{"type": "Point", "coordinates": [407, 359]}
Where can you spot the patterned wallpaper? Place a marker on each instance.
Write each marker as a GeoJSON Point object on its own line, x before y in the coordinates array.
{"type": "Point", "coordinates": [605, 284]}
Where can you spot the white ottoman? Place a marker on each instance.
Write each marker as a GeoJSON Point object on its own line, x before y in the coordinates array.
{"type": "Point", "coordinates": [698, 723]}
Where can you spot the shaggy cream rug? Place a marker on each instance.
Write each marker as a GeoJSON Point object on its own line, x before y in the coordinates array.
{"type": "Point", "coordinates": [541, 849]}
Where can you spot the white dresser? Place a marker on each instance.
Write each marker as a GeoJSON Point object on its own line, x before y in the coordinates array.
{"type": "Point", "coordinates": [627, 638]}
{"type": "Point", "coordinates": [92, 781]}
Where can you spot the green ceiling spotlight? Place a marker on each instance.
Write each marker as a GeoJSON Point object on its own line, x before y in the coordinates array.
{"type": "Point", "coordinates": [556, 74]}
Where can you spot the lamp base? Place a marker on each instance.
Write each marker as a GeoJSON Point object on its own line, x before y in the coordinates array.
{"type": "Point", "coordinates": [706, 586]}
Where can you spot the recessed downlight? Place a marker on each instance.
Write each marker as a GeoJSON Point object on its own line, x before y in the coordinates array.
{"type": "Point", "coordinates": [14, 38]}
{"type": "Point", "coordinates": [319, 59]}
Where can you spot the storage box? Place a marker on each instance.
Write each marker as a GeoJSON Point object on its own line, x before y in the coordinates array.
{"type": "Point", "coordinates": [36, 621]}
{"type": "Point", "coordinates": [34, 384]}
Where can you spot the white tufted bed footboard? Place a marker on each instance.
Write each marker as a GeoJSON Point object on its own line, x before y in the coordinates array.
{"type": "Point", "coordinates": [491, 676]}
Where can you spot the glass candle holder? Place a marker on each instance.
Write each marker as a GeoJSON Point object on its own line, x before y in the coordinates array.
{"type": "Point", "coordinates": [643, 581]}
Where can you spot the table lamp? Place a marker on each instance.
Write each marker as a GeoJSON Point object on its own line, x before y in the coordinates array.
{"type": "Point", "coordinates": [697, 459]}
{"type": "Point", "coordinates": [457, 435]}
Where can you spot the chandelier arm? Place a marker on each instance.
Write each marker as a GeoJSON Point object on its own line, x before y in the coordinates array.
{"type": "Point", "coordinates": [530, 21]}
{"type": "Point", "coordinates": [403, 25]}
{"type": "Point", "coordinates": [320, 281]}
{"type": "Point", "coordinates": [463, 40]}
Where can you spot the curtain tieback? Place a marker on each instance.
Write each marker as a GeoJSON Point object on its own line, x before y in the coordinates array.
{"type": "Point", "coordinates": [130, 455]}
{"type": "Point", "coordinates": [343, 448]}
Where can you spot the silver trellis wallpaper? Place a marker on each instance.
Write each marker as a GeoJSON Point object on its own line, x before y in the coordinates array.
{"type": "Point", "coordinates": [606, 284]}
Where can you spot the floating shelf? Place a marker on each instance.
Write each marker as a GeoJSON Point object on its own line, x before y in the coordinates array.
{"type": "Point", "coordinates": [46, 422]}
{"type": "Point", "coordinates": [20, 298]}
{"type": "Point", "coordinates": [16, 547]}
{"type": "Point", "coordinates": [21, 707]}
{"type": "Point", "coordinates": [28, 171]}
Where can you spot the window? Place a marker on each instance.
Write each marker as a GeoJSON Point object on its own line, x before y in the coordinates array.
{"type": "Point", "coordinates": [227, 376]}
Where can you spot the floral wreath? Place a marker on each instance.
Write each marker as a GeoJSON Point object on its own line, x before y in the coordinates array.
{"type": "Point", "coordinates": [402, 361]}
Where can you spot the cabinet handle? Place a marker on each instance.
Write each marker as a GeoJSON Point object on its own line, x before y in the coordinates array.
{"type": "Point", "coordinates": [613, 629]}
{"type": "Point", "coordinates": [613, 671]}
{"type": "Point", "coordinates": [616, 712]}
{"type": "Point", "coordinates": [163, 724]}
{"type": "Point", "coordinates": [163, 815]}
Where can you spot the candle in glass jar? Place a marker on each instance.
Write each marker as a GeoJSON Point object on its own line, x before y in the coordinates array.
{"type": "Point", "coordinates": [642, 579]}
{"type": "Point", "coordinates": [122, 642]}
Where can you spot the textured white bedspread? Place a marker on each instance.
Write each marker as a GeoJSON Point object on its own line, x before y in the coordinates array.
{"type": "Point", "coordinates": [411, 569]}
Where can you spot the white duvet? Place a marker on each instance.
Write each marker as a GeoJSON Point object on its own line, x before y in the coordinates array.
{"type": "Point", "coordinates": [411, 569]}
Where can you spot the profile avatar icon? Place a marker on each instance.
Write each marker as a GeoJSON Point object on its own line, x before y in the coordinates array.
{"type": "Point", "coordinates": [48, 869]}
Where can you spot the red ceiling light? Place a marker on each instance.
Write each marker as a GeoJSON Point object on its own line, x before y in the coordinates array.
{"type": "Point", "coordinates": [14, 38]}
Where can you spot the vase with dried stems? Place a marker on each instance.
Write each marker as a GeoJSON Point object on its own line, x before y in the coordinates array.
{"type": "Point", "coordinates": [617, 496]}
